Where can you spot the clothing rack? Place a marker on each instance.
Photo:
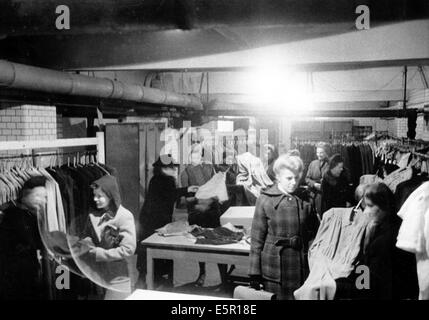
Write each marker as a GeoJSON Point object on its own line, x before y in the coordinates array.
{"type": "Point", "coordinates": [98, 141]}
{"type": "Point", "coordinates": [405, 141]}
{"type": "Point", "coordinates": [48, 259]}
{"type": "Point", "coordinates": [421, 155]}
{"type": "Point", "coordinates": [297, 142]}
{"type": "Point", "coordinates": [84, 153]}
{"type": "Point", "coordinates": [408, 150]}
{"type": "Point", "coordinates": [405, 145]}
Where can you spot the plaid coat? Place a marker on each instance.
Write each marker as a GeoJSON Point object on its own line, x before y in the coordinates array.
{"type": "Point", "coordinates": [279, 216]}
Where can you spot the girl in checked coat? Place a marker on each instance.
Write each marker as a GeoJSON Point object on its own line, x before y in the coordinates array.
{"type": "Point", "coordinates": [281, 229]}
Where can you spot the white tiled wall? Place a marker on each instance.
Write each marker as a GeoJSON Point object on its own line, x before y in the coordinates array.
{"type": "Point", "coordinates": [27, 122]}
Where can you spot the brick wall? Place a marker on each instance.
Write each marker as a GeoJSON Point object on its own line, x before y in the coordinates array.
{"type": "Point", "coordinates": [422, 129]}
{"type": "Point", "coordinates": [27, 122]}
{"type": "Point", "coordinates": [60, 130]}
{"type": "Point", "coordinates": [399, 128]}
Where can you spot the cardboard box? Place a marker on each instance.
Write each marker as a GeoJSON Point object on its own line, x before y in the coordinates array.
{"type": "Point", "coordinates": [238, 216]}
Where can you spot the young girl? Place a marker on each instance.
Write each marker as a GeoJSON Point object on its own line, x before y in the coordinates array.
{"type": "Point", "coordinates": [111, 237]}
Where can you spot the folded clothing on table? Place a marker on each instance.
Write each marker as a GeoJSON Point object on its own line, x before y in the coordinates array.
{"type": "Point", "coordinates": [176, 228]}
{"type": "Point", "coordinates": [217, 236]}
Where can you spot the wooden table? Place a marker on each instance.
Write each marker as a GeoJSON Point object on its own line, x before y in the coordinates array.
{"type": "Point", "coordinates": [181, 247]}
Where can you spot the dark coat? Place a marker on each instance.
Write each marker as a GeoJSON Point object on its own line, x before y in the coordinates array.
{"type": "Point", "coordinates": [279, 216]}
{"type": "Point", "coordinates": [336, 192]}
{"type": "Point", "coordinates": [158, 206]}
{"type": "Point", "coordinates": [157, 211]}
{"type": "Point", "coordinates": [392, 271]}
{"type": "Point", "coordinates": [19, 267]}
{"type": "Point", "coordinates": [205, 213]}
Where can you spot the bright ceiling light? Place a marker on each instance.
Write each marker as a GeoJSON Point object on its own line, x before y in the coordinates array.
{"type": "Point", "coordinates": [279, 89]}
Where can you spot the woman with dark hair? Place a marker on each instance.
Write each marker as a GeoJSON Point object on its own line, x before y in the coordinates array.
{"type": "Point", "coordinates": [392, 271]}
{"type": "Point", "coordinates": [336, 186]}
{"type": "Point", "coordinates": [110, 234]}
{"type": "Point", "coordinates": [158, 208]}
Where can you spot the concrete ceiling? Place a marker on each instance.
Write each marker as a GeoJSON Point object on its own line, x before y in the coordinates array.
{"type": "Point", "coordinates": [36, 17]}
{"type": "Point", "coordinates": [223, 35]}
{"type": "Point", "coordinates": [108, 33]}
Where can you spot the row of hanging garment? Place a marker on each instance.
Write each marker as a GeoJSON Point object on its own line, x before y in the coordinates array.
{"type": "Point", "coordinates": [69, 199]}
{"type": "Point", "coordinates": [68, 187]}
{"type": "Point", "coordinates": [14, 173]}
{"type": "Point", "coordinates": [411, 158]}
{"type": "Point", "coordinates": [12, 179]}
{"type": "Point", "coordinates": [410, 183]}
{"type": "Point", "coordinates": [359, 157]}
{"type": "Point", "coordinates": [75, 181]}
{"type": "Point", "coordinates": [396, 153]}
{"type": "Point", "coordinates": [307, 150]}
{"type": "Point", "coordinates": [404, 167]}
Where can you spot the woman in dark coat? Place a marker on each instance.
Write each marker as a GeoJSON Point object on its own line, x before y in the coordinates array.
{"type": "Point", "coordinates": [336, 186]}
{"type": "Point", "coordinates": [392, 271]}
{"type": "Point", "coordinates": [19, 242]}
{"type": "Point", "coordinates": [157, 210]}
{"type": "Point", "coordinates": [281, 230]}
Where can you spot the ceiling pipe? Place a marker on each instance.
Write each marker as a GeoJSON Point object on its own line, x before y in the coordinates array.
{"type": "Point", "coordinates": [19, 76]}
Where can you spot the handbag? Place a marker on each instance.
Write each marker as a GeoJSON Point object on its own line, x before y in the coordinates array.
{"type": "Point", "coordinates": [248, 293]}
{"type": "Point", "coordinates": [110, 237]}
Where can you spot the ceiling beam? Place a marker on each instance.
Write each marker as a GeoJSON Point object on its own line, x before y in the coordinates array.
{"type": "Point", "coordinates": [325, 97]}
{"type": "Point", "coordinates": [316, 113]}
{"type": "Point", "coordinates": [309, 67]}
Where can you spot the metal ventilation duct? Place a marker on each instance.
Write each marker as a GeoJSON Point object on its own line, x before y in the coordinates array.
{"type": "Point", "coordinates": [26, 77]}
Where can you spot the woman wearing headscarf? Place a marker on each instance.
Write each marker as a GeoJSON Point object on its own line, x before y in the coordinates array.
{"type": "Point", "coordinates": [158, 209]}
{"type": "Point", "coordinates": [281, 229]}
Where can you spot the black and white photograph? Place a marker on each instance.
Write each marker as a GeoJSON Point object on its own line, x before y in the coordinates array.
{"type": "Point", "coordinates": [227, 150]}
